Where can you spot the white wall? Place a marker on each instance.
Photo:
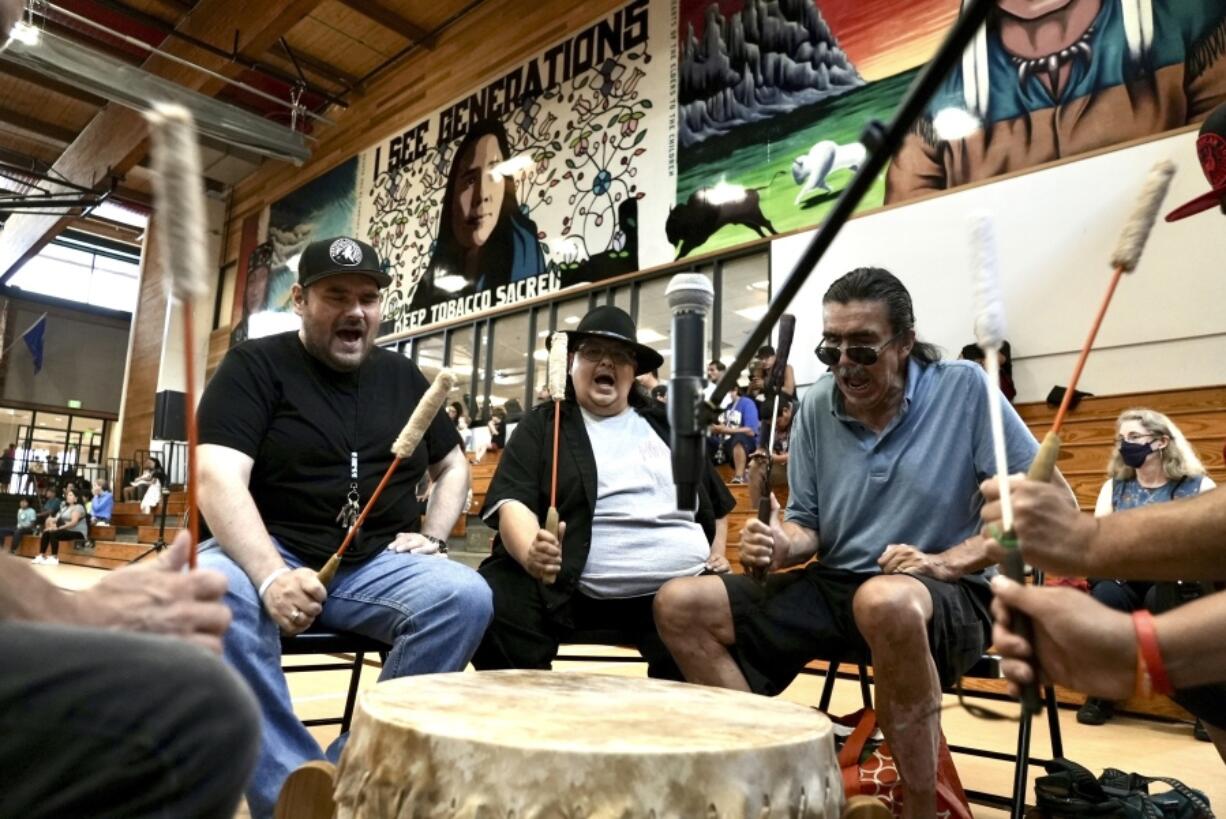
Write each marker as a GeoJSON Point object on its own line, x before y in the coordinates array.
{"type": "Point", "coordinates": [1056, 230]}
{"type": "Point", "coordinates": [83, 359]}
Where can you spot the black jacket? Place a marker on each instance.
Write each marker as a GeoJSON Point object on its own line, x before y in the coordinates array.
{"type": "Point", "coordinates": [524, 474]}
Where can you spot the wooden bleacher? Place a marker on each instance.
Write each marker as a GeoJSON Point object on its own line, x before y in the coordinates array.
{"type": "Point", "coordinates": [129, 538]}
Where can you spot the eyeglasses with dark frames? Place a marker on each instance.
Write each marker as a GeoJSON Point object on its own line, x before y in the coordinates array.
{"type": "Point", "coordinates": [863, 354]}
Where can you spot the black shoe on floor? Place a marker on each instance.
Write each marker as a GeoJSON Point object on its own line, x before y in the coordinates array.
{"type": "Point", "coordinates": [1200, 733]}
{"type": "Point", "coordinates": [1096, 711]}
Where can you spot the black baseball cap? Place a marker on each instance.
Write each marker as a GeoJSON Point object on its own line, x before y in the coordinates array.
{"type": "Point", "coordinates": [608, 321]}
{"type": "Point", "coordinates": [340, 254]}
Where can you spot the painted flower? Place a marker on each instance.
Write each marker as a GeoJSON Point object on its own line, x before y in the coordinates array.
{"type": "Point", "coordinates": [600, 185]}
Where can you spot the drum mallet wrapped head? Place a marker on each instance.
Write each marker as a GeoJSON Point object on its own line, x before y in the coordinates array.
{"type": "Point", "coordinates": [1144, 214]}
{"type": "Point", "coordinates": [557, 366]}
{"type": "Point", "coordinates": [182, 224]}
{"type": "Point", "coordinates": [990, 335]}
{"type": "Point", "coordinates": [427, 408]}
{"type": "Point", "coordinates": [558, 351]}
{"type": "Point", "coordinates": [404, 445]}
{"type": "Point", "coordinates": [1125, 258]}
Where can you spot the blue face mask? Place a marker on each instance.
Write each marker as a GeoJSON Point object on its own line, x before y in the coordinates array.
{"type": "Point", "coordinates": [1134, 455]}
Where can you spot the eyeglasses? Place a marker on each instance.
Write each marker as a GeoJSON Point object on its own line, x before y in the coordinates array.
{"type": "Point", "coordinates": [858, 353]}
{"type": "Point", "coordinates": [595, 353]}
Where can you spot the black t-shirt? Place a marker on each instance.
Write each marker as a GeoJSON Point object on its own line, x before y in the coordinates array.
{"type": "Point", "coordinates": [299, 420]}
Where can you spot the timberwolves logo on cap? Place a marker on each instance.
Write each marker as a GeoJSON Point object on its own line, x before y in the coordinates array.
{"type": "Point", "coordinates": [340, 255]}
{"type": "Point", "coordinates": [346, 252]}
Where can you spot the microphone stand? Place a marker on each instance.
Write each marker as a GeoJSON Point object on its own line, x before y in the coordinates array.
{"type": "Point", "coordinates": [882, 141]}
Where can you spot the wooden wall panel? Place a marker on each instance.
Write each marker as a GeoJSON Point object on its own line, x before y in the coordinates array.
{"type": "Point", "coordinates": [149, 323]}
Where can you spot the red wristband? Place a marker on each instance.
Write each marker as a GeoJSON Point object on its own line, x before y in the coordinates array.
{"type": "Point", "coordinates": [1149, 653]}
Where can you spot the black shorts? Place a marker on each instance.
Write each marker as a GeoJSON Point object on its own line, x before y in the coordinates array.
{"type": "Point", "coordinates": [806, 614]}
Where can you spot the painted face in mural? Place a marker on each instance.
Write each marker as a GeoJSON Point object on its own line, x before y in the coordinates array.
{"type": "Point", "coordinates": [478, 195]}
{"type": "Point", "coordinates": [340, 317]}
{"type": "Point", "coordinates": [1032, 29]}
{"type": "Point", "coordinates": [256, 297]}
{"type": "Point", "coordinates": [1031, 9]}
{"type": "Point", "coordinates": [870, 391]}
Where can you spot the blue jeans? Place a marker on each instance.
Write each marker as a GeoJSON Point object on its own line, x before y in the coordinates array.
{"type": "Point", "coordinates": [432, 611]}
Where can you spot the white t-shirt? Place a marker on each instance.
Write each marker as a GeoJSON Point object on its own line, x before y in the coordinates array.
{"type": "Point", "coordinates": [639, 538]}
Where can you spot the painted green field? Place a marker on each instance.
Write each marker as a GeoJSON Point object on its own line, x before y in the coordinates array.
{"type": "Point", "coordinates": [737, 160]}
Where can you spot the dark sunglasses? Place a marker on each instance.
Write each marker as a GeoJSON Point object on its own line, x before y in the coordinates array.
{"type": "Point", "coordinates": [860, 353]}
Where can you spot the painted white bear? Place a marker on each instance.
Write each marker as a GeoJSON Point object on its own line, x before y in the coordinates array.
{"type": "Point", "coordinates": [824, 158]}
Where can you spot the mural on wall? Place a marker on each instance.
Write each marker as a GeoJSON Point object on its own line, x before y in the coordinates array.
{"type": "Point", "coordinates": [668, 128]}
{"type": "Point", "coordinates": [326, 206]}
{"type": "Point", "coordinates": [254, 299]}
{"type": "Point", "coordinates": [774, 95]}
{"type": "Point", "coordinates": [536, 182]}
{"type": "Point", "coordinates": [1029, 92]}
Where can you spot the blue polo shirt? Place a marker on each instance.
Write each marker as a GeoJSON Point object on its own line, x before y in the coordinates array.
{"type": "Point", "coordinates": [916, 483]}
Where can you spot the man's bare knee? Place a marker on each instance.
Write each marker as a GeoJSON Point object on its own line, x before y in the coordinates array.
{"type": "Point", "coordinates": [691, 606]}
{"type": "Point", "coordinates": [892, 608]}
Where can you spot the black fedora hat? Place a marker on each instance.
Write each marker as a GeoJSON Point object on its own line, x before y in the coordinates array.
{"type": "Point", "coordinates": [340, 254]}
{"type": "Point", "coordinates": [1211, 150]}
{"type": "Point", "coordinates": [612, 322]}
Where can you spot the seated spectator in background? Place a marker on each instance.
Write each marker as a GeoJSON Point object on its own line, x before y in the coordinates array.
{"type": "Point", "coordinates": [24, 525]}
{"type": "Point", "coordinates": [51, 506]}
{"type": "Point", "coordinates": [68, 524]}
{"type": "Point", "coordinates": [1152, 463]}
{"type": "Point", "coordinates": [715, 371]}
{"type": "Point", "coordinates": [38, 474]}
{"type": "Point", "coordinates": [649, 381]}
{"type": "Point", "coordinates": [139, 488]}
{"type": "Point", "coordinates": [740, 425]}
{"type": "Point", "coordinates": [779, 456]}
{"type": "Point", "coordinates": [766, 360]}
{"type": "Point", "coordinates": [498, 433]}
{"type": "Point", "coordinates": [103, 504]}
{"type": "Point", "coordinates": [621, 536]}
{"type": "Point", "coordinates": [466, 434]}
{"type": "Point", "coordinates": [7, 460]}
{"type": "Point", "coordinates": [972, 352]}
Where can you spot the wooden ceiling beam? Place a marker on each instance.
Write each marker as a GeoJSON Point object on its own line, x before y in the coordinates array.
{"type": "Point", "coordinates": [35, 127]}
{"type": "Point", "coordinates": [373, 10]}
{"type": "Point", "coordinates": [20, 72]}
{"type": "Point", "coordinates": [116, 139]}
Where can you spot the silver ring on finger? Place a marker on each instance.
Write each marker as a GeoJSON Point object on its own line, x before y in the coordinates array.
{"type": "Point", "coordinates": [295, 617]}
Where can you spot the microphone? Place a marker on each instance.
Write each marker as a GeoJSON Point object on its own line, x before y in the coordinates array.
{"type": "Point", "coordinates": [690, 296]}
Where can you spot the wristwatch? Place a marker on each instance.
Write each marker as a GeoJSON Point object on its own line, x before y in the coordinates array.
{"type": "Point", "coordinates": [437, 541]}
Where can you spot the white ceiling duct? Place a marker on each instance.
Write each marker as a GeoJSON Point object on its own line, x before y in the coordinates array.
{"type": "Point", "coordinates": [134, 87]}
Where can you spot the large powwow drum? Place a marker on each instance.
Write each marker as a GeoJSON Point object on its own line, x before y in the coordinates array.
{"type": "Point", "coordinates": [550, 745]}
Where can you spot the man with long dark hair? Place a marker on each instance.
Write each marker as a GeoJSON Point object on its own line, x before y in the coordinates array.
{"type": "Point", "coordinates": [484, 238]}
{"type": "Point", "coordinates": [886, 456]}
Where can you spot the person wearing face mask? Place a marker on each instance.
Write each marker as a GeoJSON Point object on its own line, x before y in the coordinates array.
{"type": "Point", "coordinates": [885, 458]}
{"type": "Point", "coordinates": [1152, 463]}
{"type": "Point", "coordinates": [621, 536]}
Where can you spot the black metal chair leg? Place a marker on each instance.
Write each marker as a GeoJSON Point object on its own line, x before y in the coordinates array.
{"type": "Point", "coordinates": [832, 674]}
{"type": "Point", "coordinates": [866, 695]}
{"type": "Point", "coordinates": [1053, 722]}
{"type": "Point", "coordinates": [1021, 769]}
{"type": "Point", "coordinates": [352, 697]}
